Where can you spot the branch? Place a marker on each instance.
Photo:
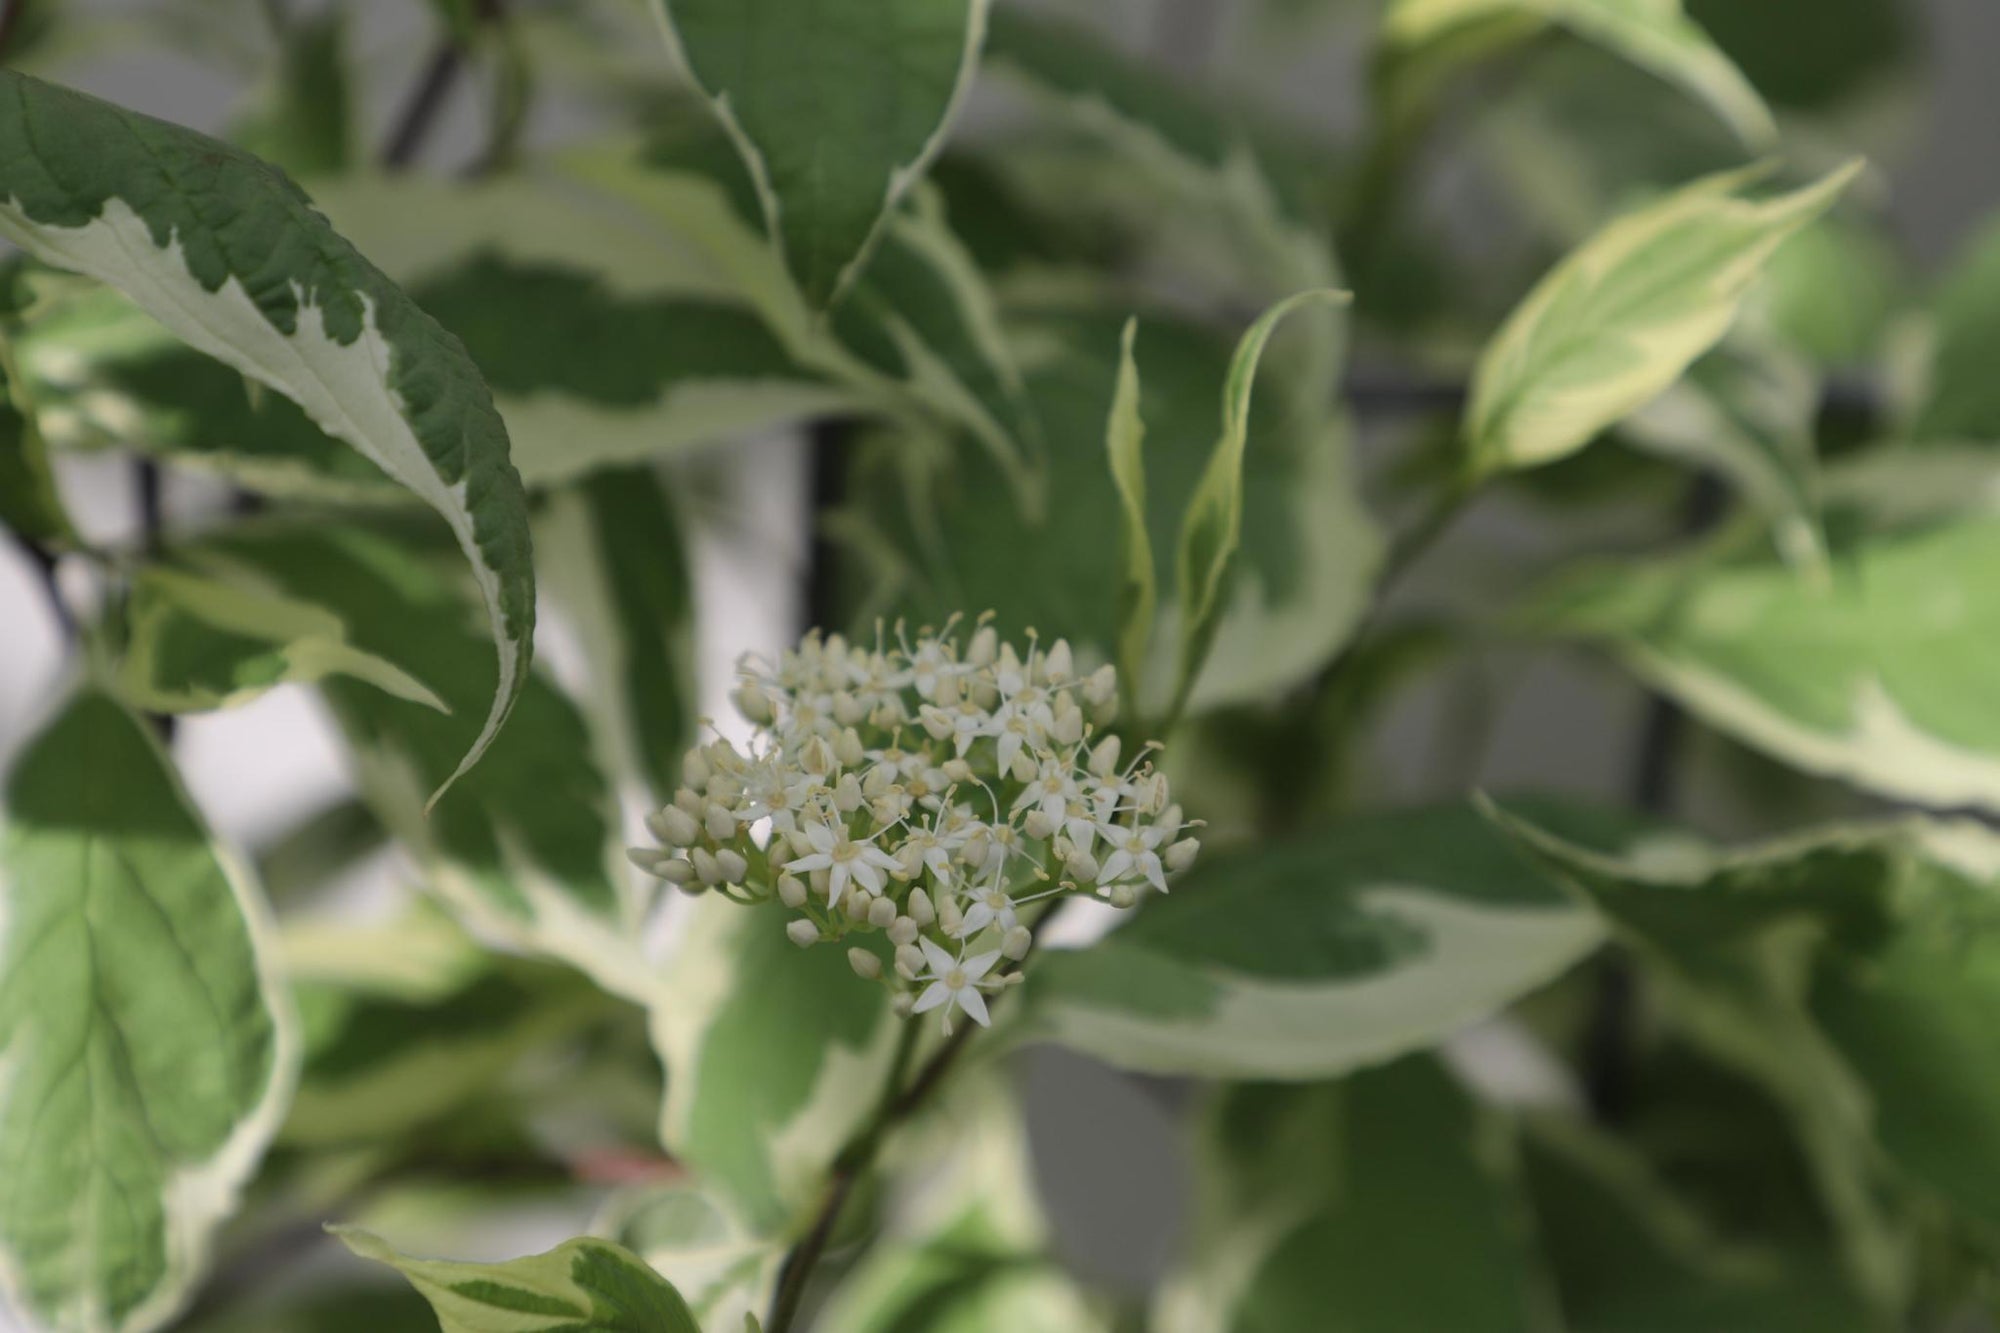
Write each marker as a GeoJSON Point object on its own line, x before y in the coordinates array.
{"type": "Point", "coordinates": [421, 111]}
{"type": "Point", "coordinates": [45, 561]}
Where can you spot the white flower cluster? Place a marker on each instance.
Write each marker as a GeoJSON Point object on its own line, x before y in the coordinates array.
{"type": "Point", "coordinates": [941, 793]}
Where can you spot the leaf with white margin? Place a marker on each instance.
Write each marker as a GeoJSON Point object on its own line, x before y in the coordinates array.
{"type": "Point", "coordinates": [146, 1051]}
{"type": "Point", "coordinates": [605, 338]}
{"type": "Point", "coordinates": [1625, 314]}
{"type": "Point", "coordinates": [581, 1286]}
{"type": "Point", "coordinates": [230, 256]}
{"type": "Point", "coordinates": [967, 1246]}
{"type": "Point", "coordinates": [1309, 546]}
{"type": "Point", "coordinates": [1656, 35]}
{"type": "Point", "coordinates": [1298, 1192]}
{"type": "Point", "coordinates": [197, 643]}
{"type": "Point", "coordinates": [837, 107]}
{"type": "Point", "coordinates": [1212, 527]}
{"type": "Point", "coordinates": [612, 555]}
{"type": "Point", "coordinates": [724, 1269]}
{"type": "Point", "coordinates": [1124, 446]}
{"type": "Point", "coordinates": [1305, 959]}
{"type": "Point", "coordinates": [776, 1056]}
{"type": "Point", "coordinates": [1856, 972]}
{"type": "Point", "coordinates": [1749, 412]}
{"type": "Point", "coordinates": [1881, 674]}
{"type": "Point", "coordinates": [1199, 186]}
{"type": "Point", "coordinates": [527, 848]}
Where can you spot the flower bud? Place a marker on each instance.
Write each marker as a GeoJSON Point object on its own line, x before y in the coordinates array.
{"type": "Point", "coordinates": [1101, 686]}
{"type": "Point", "coordinates": [919, 908]}
{"type": "Point", "coordinates": [817, 757]}
{"type": "Point", "coordinates": [694, 769]}
{"type": "Point", "coordinates": [734, 868]}
{"type": "Point", "coordinates": [1173, 816]}
{"type": "Point", "coordinates": [855, 904]}
{"type": "Point", "coordinates": [803, 933]}
{"type": "Point", "coordinates": [1017, 943]}
{"type": "Point", "coordinates": [901, 1003]}
{"type": "Point", "coordinates": [677, 872]}
{"type": "Point", "coordinates": [1123, 896]}
{"type": "Point", "coordinates": [848, 749]}
{"type": "Point", "coordinates": [949, 918]}
{"type": "Point", "coordinates": [985, 644]}
{"type": "Point", "coordinates": [1104, 759]}
{"type": "Point", "coordinates": [902, 930]}
{"type": "Point", "coordinates": [909, 961]}
{"type": "Point", "coordinates": [848, 710]}
{"type": "Point", "coordinates": [649, 859]}
{"type": "Point", "coordinates": [791, 891]}
{"type": "Point", "coordinates": [690, 802]}
{"type": "Point", "coordinates": [847, 794]}
{"type": "Point", "coordinates": [1038, 825]}
{"type": "Point", "coordinates": [1181, 855]}
{"type": "Point", "coordinates": [674, 826]}
{"type": "Point", "coordinates": [1024, 767]}
{"type": "Point", "coordinates": [718, 823]}
{"type": "Point", "coordinates": [1081, 866]}
{"type": "Point", "coordinates": [705, 867]}
{"type": "Point", "coordinates": [881, 913]}
{"type": "Point", "coordinates": [948, 693]}
{"type": "Point", "coordinates": [866, 965]}
{"type": "Point", "coordinates": [878, 782]}
{"type": "Point", "coordinates": [753, 703]}
{"type": "Point", "coordinates": [1059, 666]}
{"type": "Point", "coordinates": [1068, 728]}
{"type": "Point", "coordinates": [936, 722]}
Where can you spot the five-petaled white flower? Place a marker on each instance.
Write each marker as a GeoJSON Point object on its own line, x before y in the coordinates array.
{"type": "Point", "coordinates": [1134, 849]}
{"type": "Point", "coordinates": [955, 981]}
{"type": "Point", "coordinates": [835, 852]}
{"type": "Point", "coordinates": [989, 905]}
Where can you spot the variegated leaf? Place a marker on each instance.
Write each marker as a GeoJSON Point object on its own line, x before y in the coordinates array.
{"type": "Point", "coordinates": [1622, 317]}
{"type": "Point", "coordinates": [836, 108]}
{"type": "Point", "coordinates": [146, 1053]}
{"type": "Point", "coordinates": [1656, 35]}
{"type": "Point", "coordinates": [1305, 959]}
{"type": "Point", "coordinates": [581, 1286]}
{"type": "Point", "coordinates": [230, 256]}
{"type": "Point", "coordinates": [197, 643]}
{"type": "Point", "coordinates": [1878, 674]}
{"type": "Point", "coordinates": [777, 1058]}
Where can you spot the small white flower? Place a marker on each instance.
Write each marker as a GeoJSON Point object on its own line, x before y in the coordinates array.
{"type": "Point", "coordinates": [955, 981]}
{"type": "Point", "coordinates": [1133, 850]}
{"type": "Point", "coordinates": [989, 905]}
{"type": "Point", "coordinates": [837, 853]}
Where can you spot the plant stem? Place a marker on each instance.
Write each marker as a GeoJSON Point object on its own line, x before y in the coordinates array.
{"type": "Point", "coordinates": [897, 1104]}
{"type": "Point", "coordinates": [44, 560]}
{"type": "Point", "coordinates": [832, 451]}
{"type": "Point", "coordinates": [426, 100]}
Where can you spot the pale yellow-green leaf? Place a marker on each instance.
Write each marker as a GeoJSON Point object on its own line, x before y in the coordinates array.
{"type": "Point", "coordinates": [1213, 526]}
{"type": "Point", "coordinates": [1656, 35]}
{"type": "Point", "coordinates": [1138, 589]}
{"type": "Point", "coordinates": [1619, 320]}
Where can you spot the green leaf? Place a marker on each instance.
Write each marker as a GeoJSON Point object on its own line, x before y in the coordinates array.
{"type": "Point", "coordinates": [198, 643]}
{"type": "Point", "coordinates": [724, 1268]}
{"type": "Point", "coordinates": [1124, 441]}
{"type": "Point", "coordinates": [1735, 939]}
{"type": "Point", "coordinates": [971, 1251]}
{"type": "Point", "coordinates": [1304, 959]}
{"type": "Point", "coordinates": [836, 108]}
{"type": "Point", "coordinates": [1332, 1206]}
{"type": "Point", "coordinates": [1629, 1255]}
{"type": "Point", "coordinates": [612, 554]}
{"type": "Point", "coordinates": [383, 1064]}
{"type": "Point", "coordinates": [1748, 412]}
{"type": "Point", "coordinates": [302, 118]}
{"type": "Point", "coordinates": [1656, 35]}
{"type": "Point", "coordinates": [605, 340]}
{"type": "Point", "coordinates": [1961, 401]}
{"type": "Point", "coordinates": [957, 542]}
{"type": "Point", "coordinates": [1876, 674]}
{"type": "Point", "coordinates": [526, 847]}
{"type": "Point", "coordinates": [777, 1057]}
{"type": "Point", "coordinates": [1194, 184]}
{"type": "Point", "coordinates": [145, 1053]}
{"type": "Point", "coordinates": [581, 1286]}
{"type": "Point", "coordinates": [1621, 318]}
{"type": "Point", "coordinates": [1212, 529]}
{"type": "Point", "coordinates": [29, 501]}
{"type": "Point", "coordinates": [230, 256]}
{"type": "Point", "coordinates": [1817, 56]}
